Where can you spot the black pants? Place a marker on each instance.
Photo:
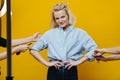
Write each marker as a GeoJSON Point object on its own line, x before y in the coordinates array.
{"type": "Point", "coordinates": [62, 74]}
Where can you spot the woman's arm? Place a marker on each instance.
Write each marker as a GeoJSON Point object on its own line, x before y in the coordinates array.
{"type": "Point", "coordinates": [38, 57]}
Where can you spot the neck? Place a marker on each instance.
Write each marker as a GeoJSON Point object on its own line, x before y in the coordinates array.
{"type": "Point", "coordinates": [65, 28]}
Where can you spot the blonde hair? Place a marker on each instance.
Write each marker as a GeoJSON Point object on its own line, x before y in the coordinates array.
{"type": "Point", "coordinates": [58, 7]}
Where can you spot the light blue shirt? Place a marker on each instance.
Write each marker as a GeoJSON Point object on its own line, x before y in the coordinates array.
{"type": "Point", "coordinates": [66, 45]}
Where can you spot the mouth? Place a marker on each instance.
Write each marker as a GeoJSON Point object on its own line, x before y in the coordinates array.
{"type": "Point", "coordinates": [61, 23]}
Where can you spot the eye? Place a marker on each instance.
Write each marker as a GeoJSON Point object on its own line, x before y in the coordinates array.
{"type": "Point", "coordinates": [62, 16]}
{"type": "Point", "coordinates": [56, 18]}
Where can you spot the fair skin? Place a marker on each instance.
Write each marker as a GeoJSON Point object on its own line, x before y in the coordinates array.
{"type": "Point", "coordinates": [99, 52]}
{"type": "Point", "coordinates": [33, 38]}
{"type": "Point", "coordinates": [62, 20]}
{"type": "Point", "coordinates": [108, 58]}
{"type": "Point", "coordinates": [20, 48]}
{"type": "Point", "coordinates": [57, 64]}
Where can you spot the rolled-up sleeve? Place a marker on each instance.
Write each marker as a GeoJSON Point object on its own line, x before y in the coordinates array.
{"type": "Point", "coordinates": [89, 46]}
{"type": "Point", "coordinates": [41, 43]}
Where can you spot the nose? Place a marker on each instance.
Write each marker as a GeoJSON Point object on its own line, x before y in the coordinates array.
{"type": "Point", "coordinates": [60, 20]}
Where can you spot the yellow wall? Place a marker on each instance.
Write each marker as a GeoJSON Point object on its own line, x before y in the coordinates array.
{"type": "Point", "coordinates": [100, 18]}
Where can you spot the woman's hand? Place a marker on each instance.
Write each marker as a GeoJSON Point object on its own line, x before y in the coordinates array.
{"type": "Point", "coordinates": [56, 64]}
{"type": "Point", "coordinates": [70, 63]}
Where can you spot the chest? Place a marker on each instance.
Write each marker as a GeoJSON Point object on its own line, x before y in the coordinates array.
{"type": "Point", "coordinates": [63, 39]}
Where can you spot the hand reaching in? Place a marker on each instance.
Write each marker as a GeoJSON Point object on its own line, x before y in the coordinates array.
{"type": "Point", "coordinates": [36, 36]}
{"type": "Point", "coordinates": [20, 48]}
{"type": "Point", "coordinates": [98, 52]}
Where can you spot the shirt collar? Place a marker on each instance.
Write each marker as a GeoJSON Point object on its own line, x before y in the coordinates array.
{"type": "Point", "coordinates": [69, 28]}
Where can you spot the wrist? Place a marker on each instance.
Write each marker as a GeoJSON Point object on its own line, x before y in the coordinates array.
{"type": "Point", "coordinates": [106, 59]}
{"type": "Point", "coordinates": [15, 50]}
{"type": "Point", "coordinates": [31, 39]}
{"type": "Point", "coordinates": [46, 64]}
{"type": "Point", "coordinates": [78, 62]}
{"type": "Point", "coordinates": [104, 50]}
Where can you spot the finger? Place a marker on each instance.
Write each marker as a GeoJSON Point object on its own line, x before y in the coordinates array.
{"type": "Point", "coordinates": [70, 67]}
{"type": "Point", "coordinates": [36, 34]}
{"type": "Point", "coordinates": [24, 50]}
{"type": "Point", "coordinates": [58, 66]}
{"type": "Point", "coordinates": [98, 60]}
{"type": "Point", "coordinates": [55, 66]}
{"type": "Point", "coordinates": [95, 52]}
{"type": "Point", "coordinates": [67, 65]}
{"type": "Point", "coordinates": [98, 54]}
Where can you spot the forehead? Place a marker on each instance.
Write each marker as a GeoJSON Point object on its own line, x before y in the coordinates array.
{"type": "Point", "coordinates": [59, 13]}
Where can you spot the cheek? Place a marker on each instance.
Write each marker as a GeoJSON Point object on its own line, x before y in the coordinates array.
{"type": "Point", "coordinates": [66, 20]}
{"type": "Point", "coordinates": [57, 21]}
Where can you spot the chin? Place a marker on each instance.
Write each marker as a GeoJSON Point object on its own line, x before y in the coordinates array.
{"type": "Point", "coordinates": [62, 26]}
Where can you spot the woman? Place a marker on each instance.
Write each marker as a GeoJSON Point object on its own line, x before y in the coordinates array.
{"type": "Point", "coordinates": [65, 45]}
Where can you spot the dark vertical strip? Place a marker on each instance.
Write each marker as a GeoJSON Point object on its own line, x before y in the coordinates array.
{"type": "Point", "coordinates": [9, 61]}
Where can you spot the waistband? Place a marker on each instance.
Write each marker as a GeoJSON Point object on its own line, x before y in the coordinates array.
{"type": "Point", "coordinates": [55, 60]}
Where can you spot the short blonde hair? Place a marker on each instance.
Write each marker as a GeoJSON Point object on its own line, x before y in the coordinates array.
{"type": "Point", "coordinates": [58, 7]}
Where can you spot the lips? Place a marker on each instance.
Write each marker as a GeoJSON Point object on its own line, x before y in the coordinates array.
{"type": "Point", "coordinates": [62, 23]}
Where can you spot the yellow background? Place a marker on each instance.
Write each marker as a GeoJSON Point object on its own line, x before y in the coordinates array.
{"type": "Point", "coordinates": [100, 18]}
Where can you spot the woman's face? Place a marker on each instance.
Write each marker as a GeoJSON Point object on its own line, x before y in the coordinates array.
{"type": "Point", "coordinates": [61, 18]}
